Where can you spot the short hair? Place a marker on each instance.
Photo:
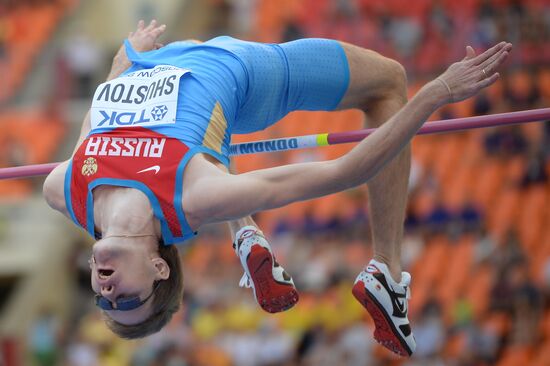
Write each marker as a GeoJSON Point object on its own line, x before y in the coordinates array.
{"type": "Point", "coordinates": [167, 299]}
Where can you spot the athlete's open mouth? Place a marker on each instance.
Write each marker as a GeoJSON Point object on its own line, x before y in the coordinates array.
{"type": "Point", "coordinates": [105, 273]}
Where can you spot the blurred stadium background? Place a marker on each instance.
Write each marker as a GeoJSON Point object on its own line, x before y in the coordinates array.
{"type": "Point", "coordinates": [477, 233]}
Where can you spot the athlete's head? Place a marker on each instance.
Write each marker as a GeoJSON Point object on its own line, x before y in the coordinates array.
{"type": "Point", "coordinates": [138, 284]}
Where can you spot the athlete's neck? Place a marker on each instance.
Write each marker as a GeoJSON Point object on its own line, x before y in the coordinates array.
{"type": "Point", "coordinates": [123, 212]}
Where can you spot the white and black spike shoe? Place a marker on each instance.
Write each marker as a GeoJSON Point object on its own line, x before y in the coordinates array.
{"type": "Point", "coordinates": [387, 303]}
{"type": "Point", "coordinates": [273, 287]}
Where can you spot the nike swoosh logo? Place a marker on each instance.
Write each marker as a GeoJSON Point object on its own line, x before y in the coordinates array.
{"type": "Point", "coordinates": [398, 306]}
{"type": "Point", "coordinates": [156, 168]}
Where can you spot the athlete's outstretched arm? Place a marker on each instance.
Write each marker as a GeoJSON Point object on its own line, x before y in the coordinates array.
{"type": "Point", "coordinates": [215, 196]}
{"type": "Point", "coordinates": [144, 38]}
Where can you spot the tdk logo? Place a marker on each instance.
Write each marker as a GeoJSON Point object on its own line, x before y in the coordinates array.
{"type": "Point", "coordinates": [159, 112]}
{"type": "Point", "coordinates": [123, 118]}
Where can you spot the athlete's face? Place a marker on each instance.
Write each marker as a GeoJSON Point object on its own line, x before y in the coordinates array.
{"type": "Point", "coordinates": [124, 268]}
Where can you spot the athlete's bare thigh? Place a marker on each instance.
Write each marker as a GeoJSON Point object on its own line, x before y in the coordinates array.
{"type": "Point", "coordinates": [372, 77]}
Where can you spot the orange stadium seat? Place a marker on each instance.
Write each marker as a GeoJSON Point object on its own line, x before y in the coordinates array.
{"type": "Point", "coordinates": [500, 323]}
{"type": "Point", "coordinates": [421, 151]}
{"type": "Point", "coordinates": [545, 326]}
{"type": "Point", "coordinates": [515, 355]}
{"type": "Point", "coordinates": [543, 83]}
{"type": "Point", "coordinates": [540, 256]}
{"type": "Point", "coordinates": [357, 253]}
{"type": "Point", "coordinates": [35, 139]}
{"type": "Point", "coordinates": [489, 175]}
{"type": "Point", "coordinates": [541, 354]}
{"type": "Point", "coordinates": [531, 219]}
{"type": "Point", "coordinates": [455, 345]}
{"type": "Point", "coordinates": [457, 271]}
{"type": "Point", "coordinates": [478, 291]}
{"type": "Point", "coordinates": [447, 153]}
{"type": "Point", "coordinates": [473, 149]}
{"type": "Point", "coordinates": [435, 259]}
{"type": "Point", "coordinates": [503, 214]}
{"type": "Point", "coordinates": [29, 28]}
{"type": "Point", "coordinates": [515, 169]}
{"type": "Point", "coordinates": [420, 294]}
{"type": "Point", "coordinates": [14, 190]}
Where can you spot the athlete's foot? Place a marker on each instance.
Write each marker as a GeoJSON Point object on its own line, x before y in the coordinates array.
{"type": "Point", "coordinates": [273, 288]}
{"type": "Point", "coordinates": [387, 303]}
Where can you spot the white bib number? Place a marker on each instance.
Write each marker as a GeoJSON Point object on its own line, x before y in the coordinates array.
{"type": "Point", "coordinates": [142, 98]}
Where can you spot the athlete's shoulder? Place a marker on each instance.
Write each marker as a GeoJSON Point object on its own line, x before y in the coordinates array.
{"type": "Point", "coordinates": [53, 188]}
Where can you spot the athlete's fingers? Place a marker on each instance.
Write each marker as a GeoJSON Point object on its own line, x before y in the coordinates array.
{"type": "Point", "coordinates": [151, 25]}
{"type": "Point", "coordinates": [491, 68]}
{"type": "Point", "coordinates": [485, 64]}
{"type": "Point", "coordinates": [488, 53]}
{"type": "Point", "coordinates": [158, 45]}
{"type": "Point", "coordinates": [494, 58]}
{"type": "Point", "coordinates": [487, 81]}
{"type": "Point", "coordinates": [158, 30]}
{"type": "Point", "coordinates": [470, 53]}
{"type": "Point", "coordinates": [141, 24]}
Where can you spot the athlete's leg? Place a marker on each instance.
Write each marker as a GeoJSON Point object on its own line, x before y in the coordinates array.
{"type": "Point", "coordinates": [378, 87]}
{"type": "Point", "coordinates": [325, 75]}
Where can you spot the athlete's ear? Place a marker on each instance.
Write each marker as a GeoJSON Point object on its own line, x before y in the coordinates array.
{"type": "Point", "coordinates": [162, 268]}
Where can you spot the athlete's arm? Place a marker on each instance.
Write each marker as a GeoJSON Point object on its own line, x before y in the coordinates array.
{"type": "Point", "coordinates": [215, 196]}
{"type": "Point", "coordinates": [144, 38]}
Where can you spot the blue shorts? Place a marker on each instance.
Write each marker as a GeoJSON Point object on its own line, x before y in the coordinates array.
{"type": "Point", "coordinates": [238, 87]}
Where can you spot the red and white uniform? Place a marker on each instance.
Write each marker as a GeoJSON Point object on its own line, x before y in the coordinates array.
{"type": "Point", "coordinates": [130, 157]}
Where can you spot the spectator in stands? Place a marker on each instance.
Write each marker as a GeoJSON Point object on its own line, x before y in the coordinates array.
{"type": "Point", "coordinates": [81, 353]}
{"type": "Point", "coordinates": [520, 91]}
{"type": "Point", "coordinates": [527, 304]}
{"type": "Point", "coordinates": [84, 59]}
{"type": "Point", "coordinates": [486, 27]}
{"type": "Point", "coordinates": [220, 18]}
{"type": "Point", "coordinates": [546, 140]}
{"type": "Point", "coordinates": [482, 343]}
{"type": "Point", "coordinates": [439, 220]}
{"type": "Point", "coordinates": [535, 169]}
{"type": "Point", "coordinates": [546, 283]}
{"type": "Point", "coordinates": [504, 258]}
{"type": "Point", "coordinates": [292, 31]}
{"type": "Point", "coordinates": [430, 331]}
{"type": "Point", "coordinates": [484, 246]}
{"type": "Point", "coordinates": [505, 142]}
{"type": "Point", "coordinates": [44, 339]}
{"type": "Point", "coordinates": [469, 217]}
{"type": "Point", "coordinates": [3, 36]}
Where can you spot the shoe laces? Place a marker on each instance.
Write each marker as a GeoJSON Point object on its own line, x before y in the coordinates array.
{"type": "Point", "coordinates": [245, 281]}
{"type": "Point", "coordinates": [406, 281]}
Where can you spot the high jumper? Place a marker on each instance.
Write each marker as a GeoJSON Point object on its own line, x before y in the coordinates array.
{"type": "Point", "coordinates": [151, 165]}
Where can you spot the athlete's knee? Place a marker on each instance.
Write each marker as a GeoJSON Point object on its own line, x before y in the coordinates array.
{"type": "Point", "coordinates": [392, 79]}
{"type": "Point", "coordinates": [396, 78]}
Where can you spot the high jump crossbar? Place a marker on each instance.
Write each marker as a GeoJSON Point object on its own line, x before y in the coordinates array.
{"type": "Point", "coordinates": [326, 139]}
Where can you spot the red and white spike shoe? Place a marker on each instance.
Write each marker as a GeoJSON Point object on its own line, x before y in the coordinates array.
{"type": "Point", "coordinates": [273, 287]}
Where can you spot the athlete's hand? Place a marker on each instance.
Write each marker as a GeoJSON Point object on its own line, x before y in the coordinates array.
{"type": "Point", "coordinates": [145, 38]}
{"type": "Point", "coordinates": [466, 78]}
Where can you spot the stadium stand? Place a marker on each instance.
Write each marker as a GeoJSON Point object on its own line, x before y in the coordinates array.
{"type": "Point", "coordinates": [477, 242]}
{"type": "Point", "coordinates": [25, 26]}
